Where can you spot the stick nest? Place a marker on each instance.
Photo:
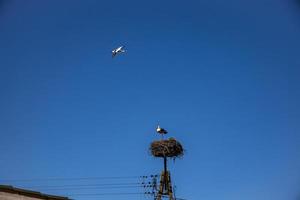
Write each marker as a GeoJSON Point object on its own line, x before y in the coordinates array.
{"type": "Point", "coordinates": [166, 148]}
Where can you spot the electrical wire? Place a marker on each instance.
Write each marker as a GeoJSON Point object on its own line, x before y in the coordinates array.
{"type": "Point", "coordinates": [71, 179]}
{"type": "Point", "coordinates": [103, 194]}
{"type": "Point", "coordinates": [89, 184]}
{"type": "Point", "coordinates": [92, 188]}
{"type": "Point", "coordinates": [83, 185]}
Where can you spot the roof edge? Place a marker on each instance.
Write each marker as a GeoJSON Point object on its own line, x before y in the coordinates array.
{"type": "Point", "coordinates": [30, 193]}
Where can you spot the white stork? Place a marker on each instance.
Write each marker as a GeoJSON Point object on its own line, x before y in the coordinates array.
{"type": "Point", "coordinates": [161, 130]}
{"type": "Point", "coordinates": [118, 51]}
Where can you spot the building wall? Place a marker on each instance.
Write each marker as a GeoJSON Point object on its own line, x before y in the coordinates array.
{"type": "Point", "coordinates": [10, 196]}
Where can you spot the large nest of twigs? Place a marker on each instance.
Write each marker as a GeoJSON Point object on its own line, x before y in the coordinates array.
{"type": "Point", "coordinates": [166, 148]}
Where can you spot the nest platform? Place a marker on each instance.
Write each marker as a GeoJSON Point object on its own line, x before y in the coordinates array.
{"type": "Point", "coordinates": [166, 148]}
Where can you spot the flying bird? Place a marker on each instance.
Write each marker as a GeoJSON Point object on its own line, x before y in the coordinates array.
{"type": "Point", "coordinates": [161, 130]}
{"type": "Point", "coordinates": [118, 51]}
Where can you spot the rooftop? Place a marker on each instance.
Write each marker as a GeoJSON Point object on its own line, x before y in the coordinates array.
{"type": "Point", "coordinates": [30, 193]}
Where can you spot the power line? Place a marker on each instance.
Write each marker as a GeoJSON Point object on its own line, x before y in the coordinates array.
{"type": "Point", "coordinates": [84, 185]}
{"type": "Point", "coordinates": [103, 194]}
{"type": "Point", "coordinates": [91, 188]}
{"type": "Point", "coordinates": [71, 179]}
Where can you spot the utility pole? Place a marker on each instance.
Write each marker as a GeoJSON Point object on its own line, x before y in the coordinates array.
{"type": "Point", "coordinates": [168, 148]}
{"type": "Point", "coordinates": [165, 187]}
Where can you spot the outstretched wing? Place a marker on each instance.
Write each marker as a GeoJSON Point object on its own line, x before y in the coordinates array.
{"type": "Point", "coordinates": [121, 48]}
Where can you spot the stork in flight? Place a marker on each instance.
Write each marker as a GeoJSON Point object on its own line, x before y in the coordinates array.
{"type": "Point", "coordinates": [118, 51]}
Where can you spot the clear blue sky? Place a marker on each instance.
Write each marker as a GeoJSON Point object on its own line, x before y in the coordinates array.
{"type": "Point", "coordinates": [221, 76]}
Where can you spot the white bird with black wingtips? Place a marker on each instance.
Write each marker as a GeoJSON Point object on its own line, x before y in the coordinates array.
{"type": "Point", "coordinates": [118, 51]}
{"type": "Point", "coordinates": [161, 130]}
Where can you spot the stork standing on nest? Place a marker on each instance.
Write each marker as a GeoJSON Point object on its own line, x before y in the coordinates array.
{"type": "Point", "coordinates": [161, 131]}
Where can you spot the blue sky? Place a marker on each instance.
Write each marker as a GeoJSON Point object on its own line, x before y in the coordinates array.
{"type": "Point", "coordinates": [221, 76]}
